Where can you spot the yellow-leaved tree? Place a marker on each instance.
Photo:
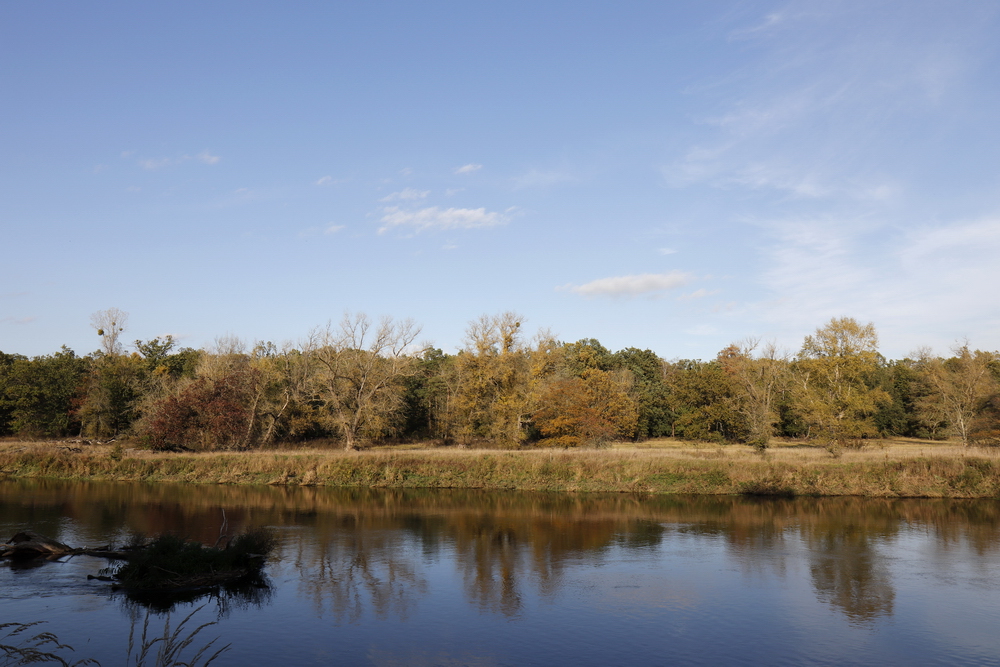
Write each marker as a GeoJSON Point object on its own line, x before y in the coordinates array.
{"type": "Point", "coordinates": [836, 383]}
{"type": "Point", "coordinates": [959, 388]}
{"type": "Point", "coordinates": [492, 382]}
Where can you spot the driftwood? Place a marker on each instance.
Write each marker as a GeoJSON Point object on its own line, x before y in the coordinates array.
{"type": "Point", "coordinates": [29, 544]}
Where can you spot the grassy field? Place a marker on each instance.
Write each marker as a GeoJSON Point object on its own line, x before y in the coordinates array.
{"type": "Point", "coordinates": [895, 468]}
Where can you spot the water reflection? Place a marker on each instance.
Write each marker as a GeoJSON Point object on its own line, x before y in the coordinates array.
{"type": "Point", "coordinates": [351, 570]}
{"type": "Point", "coordinates": [362, 551]}
{"type": "Point", "coordinates": [254, 591]}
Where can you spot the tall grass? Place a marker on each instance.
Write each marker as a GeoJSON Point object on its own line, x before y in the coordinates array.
{"type": "Point", "coordinates": [904, 469]}
{"type": "Point", "coordinates": [167, 649]}
{"type": "Point", "coordinates": [21, 645]}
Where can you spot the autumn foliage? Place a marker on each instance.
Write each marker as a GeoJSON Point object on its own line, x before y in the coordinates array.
{"type": "Point", "coordinates": [363, 381]}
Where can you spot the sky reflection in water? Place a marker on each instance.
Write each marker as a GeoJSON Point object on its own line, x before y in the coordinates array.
{"type": "Point", "coordinates": [467, 578]}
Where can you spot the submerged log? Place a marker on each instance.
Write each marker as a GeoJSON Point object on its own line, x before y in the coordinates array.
{"type": "Point", "coordinates": [29, 544]}
{"type": "Point", "coordinates": [151, 568]}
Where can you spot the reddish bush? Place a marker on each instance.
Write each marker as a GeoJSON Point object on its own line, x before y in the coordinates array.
{"type": "Point", "coordinates": [206, 414]}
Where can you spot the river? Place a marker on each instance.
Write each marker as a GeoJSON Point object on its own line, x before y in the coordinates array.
{"type": "Point", "coordinates": [376, 577]}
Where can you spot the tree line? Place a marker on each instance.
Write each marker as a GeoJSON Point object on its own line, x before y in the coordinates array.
{"type": "Point", "coordinates": [363, 381]}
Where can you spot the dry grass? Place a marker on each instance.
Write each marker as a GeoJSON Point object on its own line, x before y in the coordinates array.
{"type": "Point", "coordinates": [897, 468]}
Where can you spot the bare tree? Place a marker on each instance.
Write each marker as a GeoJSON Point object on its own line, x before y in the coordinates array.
{"type": "Point", "coordinates": [110, 324]}
{"type": "Point", "coordinates": [361, 366]}
{"type": "Point", "coordinates": [759, 373]}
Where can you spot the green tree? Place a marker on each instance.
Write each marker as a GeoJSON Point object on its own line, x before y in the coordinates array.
{"type": "Point", "coordinates": [701, 395]}
{"type": "Point", "coordinates": [41, 395]}
{"type": "Point", "coordinates": [836, 385]}
{"type": "Point", "coordinates": [901, 415]}
{"type": "Point", "coordinates": [649, 391]}
{"type": "Point", "coordinates": [6, 400]}
{"type": "Point", "coordinates": [112, 391]}
{"type": "Point", "coordinates": [587, 353]}
{"type": "Point", "coordinates": [429, 396]}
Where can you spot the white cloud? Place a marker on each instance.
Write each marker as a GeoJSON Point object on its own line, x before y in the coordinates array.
{"type": "Point", "coordinates": [333, 229]}
{"type": "Point", "coordinates": [645, 283]}
{"type": "Point", "coordinates": [666, 251]}
{"type": "Point", "coordinates": [407, 194]}
{"type": "Point", "coordinates": [468, 168]}
{"type": "Point", "coordinates": [435, 217]}
{"type": "Point", "coordinates": [324, 181]}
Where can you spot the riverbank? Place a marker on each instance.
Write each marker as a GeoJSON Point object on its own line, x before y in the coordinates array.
{"type": "Point", "coordinates": [898, 469]}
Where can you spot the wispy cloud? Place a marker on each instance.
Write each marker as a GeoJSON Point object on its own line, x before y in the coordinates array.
{"type": "Point", "coordinates": [18, 320]}
{"type": "Point", "coordinates": [158, 163]}
{"type": "Point", "coordinates": [922, 286]}
{"type": "Point", "coordinates": [208, 158]}
{"type": "Point", "coordinates": [436, 218]}
{"type": "Point", "coordinates": [701, 330]}
{"type": "Point", "coordinates": [329, 230]}
{"type": "Point", "coordinates": [406, 194]}
{"type": "Point", "coordinates": [766, 24]}
{"type": "Point", "coordinates": [666, 251]}
{"type": "Point", "coordinates": [468, 168]}
{"type": "Point", "coordinates": [698, 294]}
{"type": "Point", "coordinates": [633, 285]}
{"type": "Point", "coordinates": [818, 108]}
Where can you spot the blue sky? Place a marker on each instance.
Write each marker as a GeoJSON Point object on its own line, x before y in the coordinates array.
{"type": "Point", "coordinates": [665, 175]}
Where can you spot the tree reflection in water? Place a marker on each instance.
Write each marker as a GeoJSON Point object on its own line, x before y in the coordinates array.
{"type": "Point", "coordinates": [848, 572]}
{"type": "Point", "coordinates": [358, 551]}
{"type": "Point", "coordinates": [358, 565]}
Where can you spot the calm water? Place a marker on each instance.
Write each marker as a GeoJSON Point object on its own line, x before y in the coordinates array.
{"type": "Point", "coordinates": [463, 578]}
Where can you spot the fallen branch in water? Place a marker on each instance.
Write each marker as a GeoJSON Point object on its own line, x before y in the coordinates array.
{"type": "Point", "coordinates": [166, 564]}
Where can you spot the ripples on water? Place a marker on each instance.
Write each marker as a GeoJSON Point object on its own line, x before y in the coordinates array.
{"type": "Point", "coordinates": [466, 578]}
